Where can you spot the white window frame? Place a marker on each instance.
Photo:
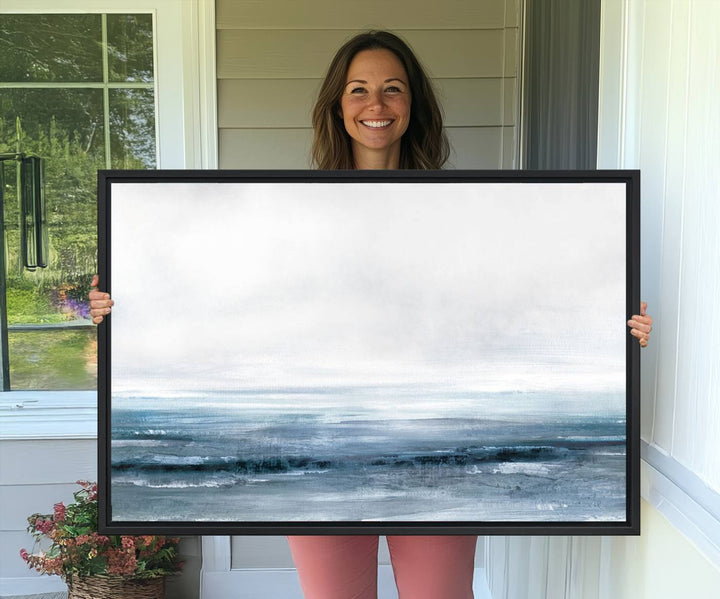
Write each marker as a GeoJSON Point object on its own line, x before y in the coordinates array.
{"type": "Point", "coordinates": [186, 129]}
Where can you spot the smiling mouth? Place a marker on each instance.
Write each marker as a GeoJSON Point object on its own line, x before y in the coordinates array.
{"type": "Point", "coordinates": [377, 124]}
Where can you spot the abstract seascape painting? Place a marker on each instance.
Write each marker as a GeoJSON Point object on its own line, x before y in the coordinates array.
{"type": "Point", "coordinates": [373, 352]}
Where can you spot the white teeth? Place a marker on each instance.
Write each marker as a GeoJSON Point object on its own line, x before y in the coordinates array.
{"type": "Point", "coordinates": [376, 123]}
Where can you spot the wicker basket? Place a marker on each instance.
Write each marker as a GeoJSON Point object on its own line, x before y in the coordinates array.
{"type": "Point", "coordinates": [116, 587]}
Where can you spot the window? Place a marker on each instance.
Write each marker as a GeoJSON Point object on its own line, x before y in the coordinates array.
{"type": "Point", "coordinates": [78, 91]}
{"type": "Point", "coordinates": [186, 125]}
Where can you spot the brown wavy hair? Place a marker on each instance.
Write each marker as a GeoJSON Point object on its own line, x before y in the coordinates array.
{"type": "Point", "coordinates": [423, 146]}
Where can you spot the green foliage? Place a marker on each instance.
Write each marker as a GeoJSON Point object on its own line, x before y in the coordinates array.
{"type": "Point", "coordinates": [53, 359]}
{"type": "Point", "coordinates": [68, 47]}
{"type": "Point", "coordinates": [27, 305]}
{"type": "Point", "coordinates": [50, 47]}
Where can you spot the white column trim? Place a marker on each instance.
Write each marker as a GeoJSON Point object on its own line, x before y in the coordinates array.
{"type": "Point", "coordinates": [612, 81]}
{"type": "Point", "coordinates": [216, 560]}
{"type": "Point", "coordinates": [216, 553]}
{"type": "Point", "coordinates": [208, 82]}
{"type": "Point", "coordinates": [200, 84]}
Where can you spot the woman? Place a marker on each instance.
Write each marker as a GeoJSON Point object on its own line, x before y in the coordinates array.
{"type": "Point", "coordinates": [376, 110]}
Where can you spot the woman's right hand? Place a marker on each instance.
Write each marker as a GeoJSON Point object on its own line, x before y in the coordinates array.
{"type": "Point", "coordinates": [100, 302]}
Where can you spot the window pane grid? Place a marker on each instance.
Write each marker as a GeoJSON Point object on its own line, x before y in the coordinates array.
{"type": "Point", "coordinates": [84, 91]}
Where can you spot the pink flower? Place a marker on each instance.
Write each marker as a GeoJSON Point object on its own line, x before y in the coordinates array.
{"type": "Point", "coordinates": [121, 562]}
{"type": "Point", "coordinates": [24, 555]}
{"type": "Point", "coordinates": [128, 543]}
{"type": "Point", "coordinates": [53, 565]}
{"type": "Point", "coordinates": [44, 526]}
{"type": "Point", "coordinates": [59, 509]}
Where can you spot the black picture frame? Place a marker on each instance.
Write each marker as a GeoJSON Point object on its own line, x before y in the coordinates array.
{"type": "Point", "coordinates": [533, 186]}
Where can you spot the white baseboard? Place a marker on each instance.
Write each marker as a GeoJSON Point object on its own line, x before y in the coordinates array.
{"type": "Point", "coordinates": [687, 502]}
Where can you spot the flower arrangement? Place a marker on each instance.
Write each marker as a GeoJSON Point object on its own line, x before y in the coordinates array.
{"type": "Point", "coordinates": [77, 551]}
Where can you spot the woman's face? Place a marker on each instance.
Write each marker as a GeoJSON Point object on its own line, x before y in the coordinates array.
{"type": "Point", "coordinates": [375, 104]}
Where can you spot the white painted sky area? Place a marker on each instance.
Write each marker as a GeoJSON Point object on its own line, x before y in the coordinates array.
{"type": "Point", "coordinates": [492, 286]}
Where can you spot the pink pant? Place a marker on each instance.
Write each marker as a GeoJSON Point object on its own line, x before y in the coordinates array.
{"type": "Point", "coordinates": [337, 567]}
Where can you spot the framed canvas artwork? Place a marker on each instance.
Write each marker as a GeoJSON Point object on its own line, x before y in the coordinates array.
{"type": "Point", "coordinates": [385, 352]}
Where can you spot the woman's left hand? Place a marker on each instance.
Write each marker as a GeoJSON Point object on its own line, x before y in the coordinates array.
{"type": "Point", "coordinates": [641, 325]}
{"type": "Point", "coordinates": [100, 302]}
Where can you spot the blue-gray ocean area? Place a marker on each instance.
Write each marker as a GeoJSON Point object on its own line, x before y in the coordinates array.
{"type": "Point", "coordinates": [357, 454]}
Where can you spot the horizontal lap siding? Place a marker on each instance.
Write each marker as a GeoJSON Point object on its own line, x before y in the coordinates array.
{"type": "Point", "coordinates": [271, 58]}
{"type": "Point", "coordinates": [351, 14]}
{"type": "Point", "coordinates": [246, 148]}
{"type": "Point", "coordinates": [304, 54]}
{"type": "Point", "coordinates": [287, 103]}
{"type": "Point", "coordinates": [47, 462]}
{"type": "Point", "coordinates": [264, 148]}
